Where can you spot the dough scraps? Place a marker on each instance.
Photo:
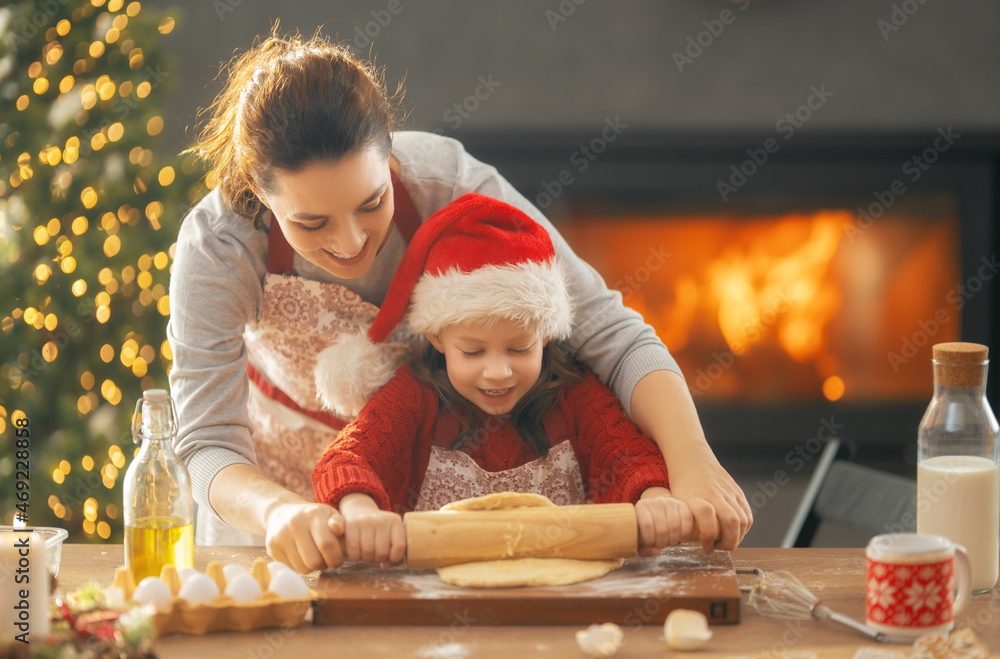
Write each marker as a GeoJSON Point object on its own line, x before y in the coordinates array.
{"type": "Point", "coordinates": [516, 572]}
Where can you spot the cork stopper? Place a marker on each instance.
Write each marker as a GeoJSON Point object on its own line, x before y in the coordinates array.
{"type": "Point", "coordinates": [960, 364]}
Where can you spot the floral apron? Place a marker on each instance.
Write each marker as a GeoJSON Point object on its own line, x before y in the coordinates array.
{"type": "Point", "coordinates": [453, 475]}
{"type": "Point", "coordinates": [299, 318]}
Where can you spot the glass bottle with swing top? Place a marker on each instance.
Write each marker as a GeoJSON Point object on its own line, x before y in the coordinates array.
{"type": "Point", "coordinates": [158, 507]}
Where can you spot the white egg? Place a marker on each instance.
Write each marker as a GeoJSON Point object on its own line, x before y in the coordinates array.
{"type": "Point", "coordinates": [243, 588]}
{"type": "Point", "coordinates": [686, 630]}
{"type": "Point", "coordinates": [274, 566]}
{"type": "Point", "coordinates": [199, 589]}
{"type": "Point", "coordinates": [186, 573]}
{"type": "Point", "coordinates": [600, 641]}
{"type": "Point", "coordinates": [152, 590]}
{"type": "Point", "coordinates": [287, 584]}
{"type": "Point", "coordinates": [231, 570]}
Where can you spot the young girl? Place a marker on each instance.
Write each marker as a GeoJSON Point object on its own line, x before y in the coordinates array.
{"type": "Point", "coordinates": [487, 402]}
{"type": "Point", "coordinates": [318, 196]}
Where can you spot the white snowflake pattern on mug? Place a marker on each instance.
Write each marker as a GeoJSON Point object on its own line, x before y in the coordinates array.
{"type": "Point", "coordinates": [923, 595]}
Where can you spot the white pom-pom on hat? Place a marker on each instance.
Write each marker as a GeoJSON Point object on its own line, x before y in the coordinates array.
{"type": "Point", "coordinates": [350, 371]}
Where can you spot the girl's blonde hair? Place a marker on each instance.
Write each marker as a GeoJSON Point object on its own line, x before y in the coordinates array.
{"type": "Point", "coordinates": [288, 103]}
{"type": "Point", "coordinates": [528, 416]}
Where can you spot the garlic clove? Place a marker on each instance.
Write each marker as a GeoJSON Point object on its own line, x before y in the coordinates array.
{"type": "Point", "coordinates": [686, 630]}
{"type": "Point", "coordinates": [600, 641]}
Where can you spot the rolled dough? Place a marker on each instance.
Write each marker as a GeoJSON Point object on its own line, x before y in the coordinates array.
{"type": "Point", "coordinates": [526, 572]}
{"type": "Point", "coordinates": [500, 501]}
{"type": "Point", "coordinates": [516, 572]}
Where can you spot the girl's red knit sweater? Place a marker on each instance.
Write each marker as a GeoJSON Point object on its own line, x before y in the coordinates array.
{"type": "Point", "coordinates": [385, 451]}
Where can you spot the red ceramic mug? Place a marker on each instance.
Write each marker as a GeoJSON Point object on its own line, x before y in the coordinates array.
{"type": "Point", "coordinates": [910, 587]}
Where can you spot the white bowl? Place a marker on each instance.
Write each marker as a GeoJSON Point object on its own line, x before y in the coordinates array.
{"type": "Point", "coordinates": [54, 538]}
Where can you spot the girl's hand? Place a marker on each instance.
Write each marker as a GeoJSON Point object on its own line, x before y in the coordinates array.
{"type": "Point", "coordinates": [304, 536]}
{"type": "Point", "coordinates": [372, 534]}
{"type": "Point", "coordinates": [663, 521]}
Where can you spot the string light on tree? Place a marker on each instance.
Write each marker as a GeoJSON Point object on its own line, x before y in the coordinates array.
{"type": "Point", "coordinates": [89, 208]}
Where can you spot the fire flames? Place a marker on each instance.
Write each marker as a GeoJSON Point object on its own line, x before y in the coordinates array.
{"type": "Point", "coordinates": [801, 305]}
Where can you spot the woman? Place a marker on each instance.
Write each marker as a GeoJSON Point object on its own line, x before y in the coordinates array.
{"type": "Point", "coordinates": [316, 202]}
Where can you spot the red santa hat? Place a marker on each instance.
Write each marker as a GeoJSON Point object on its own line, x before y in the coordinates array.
{"type": "Point", "coordinates": [475, 260]}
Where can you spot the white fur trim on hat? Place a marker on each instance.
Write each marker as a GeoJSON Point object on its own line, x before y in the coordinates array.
{"type": "Point", "coordinates": [529, 293]}
{"type": "Point", "coordinates": [350, 371]}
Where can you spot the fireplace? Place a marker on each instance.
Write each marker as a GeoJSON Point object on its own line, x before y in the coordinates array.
{"type": "Point", "coordinates": [798, 284]}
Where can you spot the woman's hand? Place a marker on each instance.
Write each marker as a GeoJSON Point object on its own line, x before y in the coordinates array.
{"type": "Point", "coordinates": [305, 536]}
{"type": "Point", "coordinates": [372, 534]}
{"type": "Point", "coordinates": [717, 502]}
{"type": "Point", "coordinates": [663, 521]}
{"type": "Point", "coordinates": [297, 532]}
{"type": "Point", "coordinates": [663, 408]}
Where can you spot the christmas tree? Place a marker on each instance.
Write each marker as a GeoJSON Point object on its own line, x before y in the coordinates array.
{"type": "Point", "coordinates": [89, 211]}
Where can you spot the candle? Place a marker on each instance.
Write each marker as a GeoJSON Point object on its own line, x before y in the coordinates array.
{"type": "Point", "coordinates": [24, 586]}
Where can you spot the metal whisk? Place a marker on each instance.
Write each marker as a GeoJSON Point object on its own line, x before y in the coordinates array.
{"type": "Point", "coordinates": [779, 594]}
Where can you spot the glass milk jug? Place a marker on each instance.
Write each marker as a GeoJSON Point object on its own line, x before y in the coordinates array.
{"type": "Point", "coordinates": [958, 460]}
{"type": "Point", "coordinates": [158, 510]}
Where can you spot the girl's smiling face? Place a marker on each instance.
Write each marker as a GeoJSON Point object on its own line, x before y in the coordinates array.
{"type": "Point", "coordinates": [336, 215]}
{"type": "Point", "coordinates": [493, 365]}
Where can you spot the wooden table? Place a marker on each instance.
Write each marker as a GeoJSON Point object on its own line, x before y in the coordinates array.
{"type": "Point", "coordinates": [835, 575]}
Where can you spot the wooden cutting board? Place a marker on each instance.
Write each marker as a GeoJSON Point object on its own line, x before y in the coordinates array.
{"type": "Point", "coordinates": [642, 592]}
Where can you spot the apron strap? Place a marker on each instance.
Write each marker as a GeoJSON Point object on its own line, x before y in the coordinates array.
{"type": "Point", "coordinates": [405, 212]}
{"type": "Point", "coordinates": [280, 396]}
{"type": "Point", "coordinates": [280, 254]}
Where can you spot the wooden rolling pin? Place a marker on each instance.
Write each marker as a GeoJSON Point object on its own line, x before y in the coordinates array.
{"type": "Point", "coordinates": [439, 538]}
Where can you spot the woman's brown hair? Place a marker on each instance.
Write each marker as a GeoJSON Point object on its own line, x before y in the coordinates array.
{"type": "Point", "coordinates": [558, 368]}
{"type": "Point", "coordinates": [288, 103]}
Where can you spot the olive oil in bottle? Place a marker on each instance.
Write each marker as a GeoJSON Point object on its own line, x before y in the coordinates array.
{"type": "Point", "coordinates": [158, 510]}
{"type": "Point", "coordinates": [156, 542]}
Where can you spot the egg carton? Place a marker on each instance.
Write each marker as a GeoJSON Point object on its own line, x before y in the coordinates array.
{"type": "Point", "coordinates": [224, 613]}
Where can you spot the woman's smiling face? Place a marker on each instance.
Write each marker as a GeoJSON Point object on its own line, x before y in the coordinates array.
{"type": "Point", "coordinates": [336, 215]}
